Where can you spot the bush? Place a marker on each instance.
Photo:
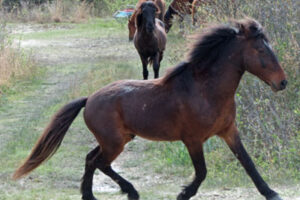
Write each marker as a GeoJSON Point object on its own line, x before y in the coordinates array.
{"type": "Point", "coordinates": [47, 11]}
{"type": "Point", "coordinates": [13, 63]}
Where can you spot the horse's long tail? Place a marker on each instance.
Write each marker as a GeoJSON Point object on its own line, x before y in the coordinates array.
{"type": "Point", "coordinates": [52, 137]}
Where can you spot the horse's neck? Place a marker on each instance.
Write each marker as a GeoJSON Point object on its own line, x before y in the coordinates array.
{"type": "Point", "coordinates": [142, 30]}
{"type": "Point", "coordinates": [220, 82]}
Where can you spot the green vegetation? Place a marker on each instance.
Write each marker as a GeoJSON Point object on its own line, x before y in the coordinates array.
{"type": "Point", "coordinates": [85, 57]}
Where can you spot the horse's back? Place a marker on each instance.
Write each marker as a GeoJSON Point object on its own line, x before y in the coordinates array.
{"type": "Point", "coordinates": [119, 102]}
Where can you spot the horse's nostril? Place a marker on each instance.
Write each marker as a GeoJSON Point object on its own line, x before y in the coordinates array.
{"type": "Point", "coordinates": [283, 84]}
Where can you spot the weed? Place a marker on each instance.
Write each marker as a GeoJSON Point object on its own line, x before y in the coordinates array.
{"type": "Point", "coordinates": [14, 64]}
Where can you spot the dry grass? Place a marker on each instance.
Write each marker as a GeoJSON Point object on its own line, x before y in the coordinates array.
{"type": "Point", "coordinates": [82, 12]}
{"type": "Point", "coordinates": [13, 63]}
{"type": "Point", "coordinates": [56, 11]}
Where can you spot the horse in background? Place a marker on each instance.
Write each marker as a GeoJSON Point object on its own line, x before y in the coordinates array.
{"type": "Point", "coordinates": [180, 8]}
{"type": "Point", "coordinates": [131, 21]}
{"type": "Point", "coordinates": [191, 103]}
{"type": "Point", "coordinates": [150, 37]}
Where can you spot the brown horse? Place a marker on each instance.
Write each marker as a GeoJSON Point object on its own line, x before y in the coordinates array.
{"type": "Point", "coordinates": [191, 103]}
{"type": "Point", "coordinates": [180, 8]}
{"type": "Point", "coordinates": [150, 37]}
{"type": "Point", "coordinates": [131, 22]}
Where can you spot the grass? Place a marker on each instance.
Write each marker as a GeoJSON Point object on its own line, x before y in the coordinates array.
{"type": "Point", "coordinates": [52, 11]}
{"type": "Point", "coordinates": [94, 28]}
{"type": "Point", "coordinates": [26, 128]}
{"type": "Point", "coordinates": [14, 64]}
{"type": "Point", "coordinates": [27, 108]}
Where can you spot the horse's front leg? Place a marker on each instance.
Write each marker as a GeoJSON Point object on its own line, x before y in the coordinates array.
{"type": "Point", "coordinates": [235, 144]}
{"type": "Point", "coordinates": [145, 70]}
{"type": "Point", "coordinates": [196, 153]}
{"type": "Point", "coordinates": [156, 64]}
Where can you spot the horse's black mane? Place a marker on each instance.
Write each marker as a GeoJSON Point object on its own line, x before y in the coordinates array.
{"type": "Point", "coordinates": [212, 43]}
{"type": "Point", "coordinates": [206, 49]}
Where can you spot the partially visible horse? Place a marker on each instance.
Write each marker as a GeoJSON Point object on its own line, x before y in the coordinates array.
{"type": "Point", "coordinates": [182, 8]}
{"type": "Point", "coordinates": [131, 22]}
{"type": "Point", "coordinates": [191, 103]}
{"type": "Point", "coordinates": [150, 37]}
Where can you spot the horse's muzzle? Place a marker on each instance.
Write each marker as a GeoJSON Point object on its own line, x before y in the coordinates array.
{"type": "Point", "coordinates": [282, 85]}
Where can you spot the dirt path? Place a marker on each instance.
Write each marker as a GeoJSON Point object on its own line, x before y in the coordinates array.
{"type": "Point", "coordinates": [68, 60]}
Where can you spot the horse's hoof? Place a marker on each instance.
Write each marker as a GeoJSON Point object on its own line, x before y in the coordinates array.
{"type": "Point", "coordinates": [133, 196]}
{"type": "Point", "coordinates": [89, 198]}
{"type": "Point", "coordinates": [182, 196]}
{"type": "Point", "coordinates": [276, 197]}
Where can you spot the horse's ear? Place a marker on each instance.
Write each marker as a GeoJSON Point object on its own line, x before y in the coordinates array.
{"type": "Point", "coordinates": [249, 28]}
{"type": "Point", "coordinates": [241, 28]}
{"type": "Point", "coordinates": [157, 9]}
{"type": "Point", "coordinates": [254, 30]}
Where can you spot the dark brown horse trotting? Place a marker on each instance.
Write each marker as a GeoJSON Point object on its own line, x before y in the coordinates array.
{"type": "Point", "coordinates": [192, 103]}
{"type": "Point", "coordinates": [150, 37]}
{"type": "Point", "coordinates": [131, 21]}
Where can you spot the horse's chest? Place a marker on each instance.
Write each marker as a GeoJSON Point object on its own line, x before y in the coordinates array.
{"type": "Point", "coordinates": [148, 49]}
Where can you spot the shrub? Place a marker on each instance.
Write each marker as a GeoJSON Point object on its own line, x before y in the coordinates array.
{"type": "Point", "coordinates": [13, 63]}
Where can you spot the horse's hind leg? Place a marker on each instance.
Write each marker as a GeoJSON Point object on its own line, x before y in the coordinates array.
{"type": "Point", "coordinates": [196, 153]}
{"type": "Point", "coordinates": [101, 159]}
{"type": "Point", "coordinates": [111, 146]}
{"type": "Point", "coordinates": [125, 186]}
{"type": "Point", "coordinates": [87, 179]}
